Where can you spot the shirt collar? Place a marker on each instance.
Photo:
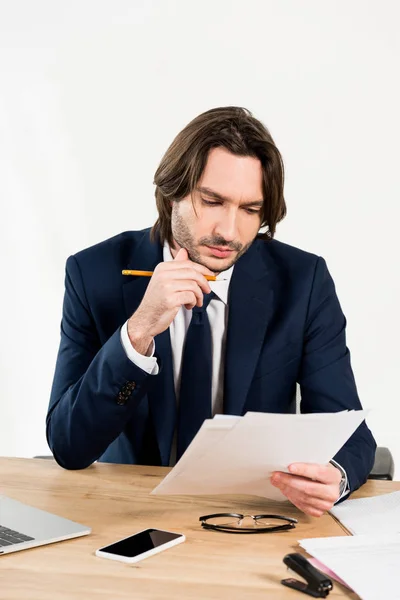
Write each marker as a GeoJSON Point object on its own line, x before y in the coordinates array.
{"type": "Point", "coordinates": [219, 287]}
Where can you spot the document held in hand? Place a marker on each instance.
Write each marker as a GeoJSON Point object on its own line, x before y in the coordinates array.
{"type": "Point", "coordinates": [236, 455]}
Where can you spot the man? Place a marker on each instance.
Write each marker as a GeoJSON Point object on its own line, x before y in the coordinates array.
{"type": "Point", "coordinates": [143, 361]}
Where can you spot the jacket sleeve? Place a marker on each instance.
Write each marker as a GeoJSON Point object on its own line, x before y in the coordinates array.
{"type": "Point", "coordinates": [95, 387]}
{"type": "Point", "coordinates": [326, 377]}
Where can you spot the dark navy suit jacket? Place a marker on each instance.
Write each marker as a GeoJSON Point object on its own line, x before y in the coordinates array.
{"type": "Point", "coordinates": [285, 325]}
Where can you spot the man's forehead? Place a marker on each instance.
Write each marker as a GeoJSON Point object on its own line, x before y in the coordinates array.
{"type": "Point", "coordinates": [233, 177]}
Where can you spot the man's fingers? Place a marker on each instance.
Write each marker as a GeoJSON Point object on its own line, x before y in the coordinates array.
{"type": "Point", "coordinates": [312, 511]}
{"type": "Point", "coordinates": [172, 271]}
{"type": "Point", "coordinates": [186, 273]}
{"type": "Point", "coordinates": [310, 501]}
{"type": "Point", "coordinates": [174, 265]}
{"type": "Point", "coordinates": [312, 488]}
{"type": "Point", "coordinates": [188, 299]}
{"type": "Point", "coordinates": [182, 255]}
{"type": "Point", "coordinates": [323, 473]}
{"type": "Point", "coordinates": [311, 506]}
{"type": "Point", "coordinates": [188, 286]}
{"type": "Point", "coordinates": [305, 486]}
{"type": "Point", "coordinates": [306, 507]}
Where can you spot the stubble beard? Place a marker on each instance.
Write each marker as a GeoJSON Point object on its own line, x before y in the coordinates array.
{"type": "Point", "coordinates": [183, 237]}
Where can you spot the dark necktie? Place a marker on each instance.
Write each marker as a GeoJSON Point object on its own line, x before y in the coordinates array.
{"type": "Point", "coordinates": [196, 374]}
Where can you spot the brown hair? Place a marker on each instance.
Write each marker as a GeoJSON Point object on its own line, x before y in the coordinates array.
{"type": "Point", "coordinates": [181, 167]}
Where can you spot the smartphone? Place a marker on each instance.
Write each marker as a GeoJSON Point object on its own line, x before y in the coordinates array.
{"type": "Point", "coordinates": [141, 545]}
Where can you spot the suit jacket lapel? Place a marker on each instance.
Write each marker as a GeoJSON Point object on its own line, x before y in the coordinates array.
{"type": "Point", "coordinates": [250, 305]}
{"type": "Point", "coordinates": [161, 395]}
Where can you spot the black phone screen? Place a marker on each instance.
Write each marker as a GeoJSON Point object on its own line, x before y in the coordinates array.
{"type": "Point", "coordinates": [141, 542]}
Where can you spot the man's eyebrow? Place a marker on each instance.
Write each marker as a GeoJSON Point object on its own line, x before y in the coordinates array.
{"type": "Point", "coordinates": [211, 194]}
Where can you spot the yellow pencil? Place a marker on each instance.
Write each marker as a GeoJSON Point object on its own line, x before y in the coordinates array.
{"type": "Point", "coordinates": [150, 273]}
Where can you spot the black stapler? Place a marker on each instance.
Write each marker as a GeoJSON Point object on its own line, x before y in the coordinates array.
{"type": "Point", "coordinates": [318, 585]}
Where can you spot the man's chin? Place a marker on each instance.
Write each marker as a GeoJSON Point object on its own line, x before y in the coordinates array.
{"type": "Point", "coordinates": [217, 265]}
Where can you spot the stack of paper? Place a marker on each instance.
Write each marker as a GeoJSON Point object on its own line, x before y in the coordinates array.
{"type": "Point", "coordinates": [376, 515]}
{"type": "Point", "coordinates": [369, 564]}
{"type": "Point", "coordinates": [237, 455]}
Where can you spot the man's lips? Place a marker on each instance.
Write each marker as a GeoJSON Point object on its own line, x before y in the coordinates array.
{"type": "Point", "coordinates": [220, 251]}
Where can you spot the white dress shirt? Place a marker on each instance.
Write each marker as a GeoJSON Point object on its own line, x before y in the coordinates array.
{"type": "Point", "coordinates": [217, 312]}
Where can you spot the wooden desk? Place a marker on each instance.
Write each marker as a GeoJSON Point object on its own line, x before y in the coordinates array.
{"type": "Point", "coordinates": [114, 501]}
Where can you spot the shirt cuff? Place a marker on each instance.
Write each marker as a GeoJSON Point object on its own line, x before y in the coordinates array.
{"type": "Point", "coordinates": [147, 363]}
{"type": "Point", "coordinates": [344, 484]}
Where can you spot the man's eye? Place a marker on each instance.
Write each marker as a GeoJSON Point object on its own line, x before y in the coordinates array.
{"type": "Point", "coordinates": [253, 211]}
{"type": "Point", "coordinates": [210, 202]}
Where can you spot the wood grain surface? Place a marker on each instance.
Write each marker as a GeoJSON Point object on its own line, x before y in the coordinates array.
{"type": "Point", "coordinates": [114, 501]}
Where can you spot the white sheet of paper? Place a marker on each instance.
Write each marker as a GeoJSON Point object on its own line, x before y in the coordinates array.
{"type": "Point", "coordinates": [369, 564]}
{"type": "Point", "coordinates": [375, 515]}
{"type": "Point", "coordinates": [238, 455]}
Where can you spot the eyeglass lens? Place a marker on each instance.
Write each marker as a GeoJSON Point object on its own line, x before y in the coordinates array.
{"type": "Point", "coordinates": [248, 522]}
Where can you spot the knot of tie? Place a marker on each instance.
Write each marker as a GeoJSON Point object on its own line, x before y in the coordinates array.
{"type": "Point", "coordinates": [198, 311]}
{"type": "Point", "coordinates": [206, 301]}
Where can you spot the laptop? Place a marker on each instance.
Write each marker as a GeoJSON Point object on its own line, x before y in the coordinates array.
{"type": "Point", "coordinates": [22, 527]}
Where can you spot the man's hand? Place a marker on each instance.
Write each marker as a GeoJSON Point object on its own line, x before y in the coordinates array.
{"type": "Point", "coordinates": [173, 284]}
{"type": "Point", "coordinates": [312, 488]}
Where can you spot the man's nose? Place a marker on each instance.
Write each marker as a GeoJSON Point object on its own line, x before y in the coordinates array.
{"type": "Point", "coordinates": [227, 226]}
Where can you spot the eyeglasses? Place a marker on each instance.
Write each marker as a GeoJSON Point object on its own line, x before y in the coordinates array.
{"type": "Point", "coordinates": [237, 523]}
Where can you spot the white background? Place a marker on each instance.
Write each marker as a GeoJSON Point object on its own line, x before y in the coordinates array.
{"type": "Point", "coordinates": [93, 92]}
